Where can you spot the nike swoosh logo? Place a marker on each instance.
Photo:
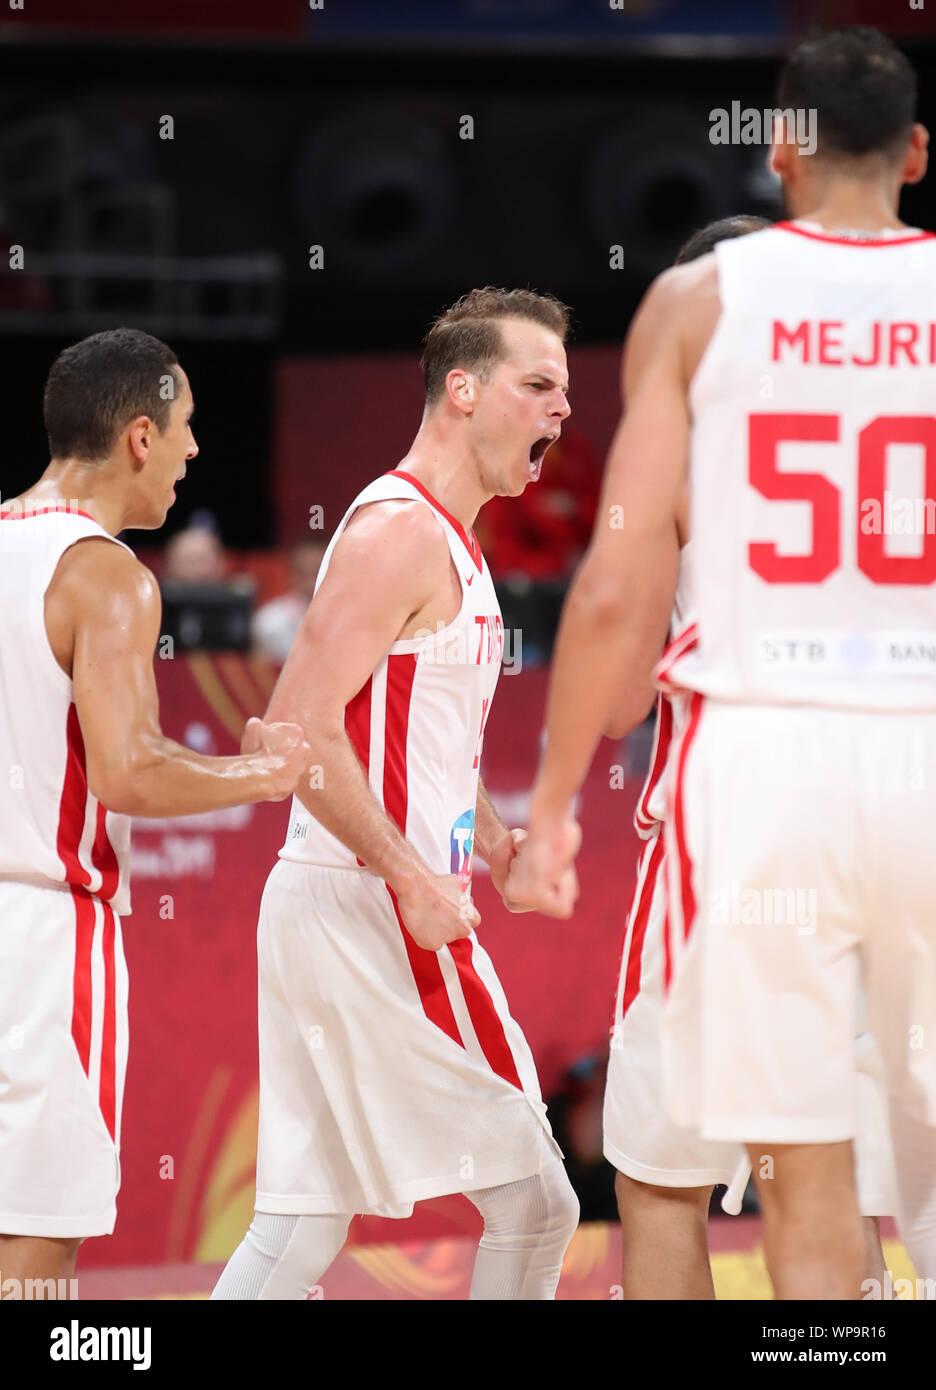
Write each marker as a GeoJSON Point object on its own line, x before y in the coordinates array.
{"type": "Point", "coordinates": [469, 578]}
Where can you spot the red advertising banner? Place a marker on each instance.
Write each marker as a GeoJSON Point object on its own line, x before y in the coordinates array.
{"type": "Point", "coordinates": [191, 1104]}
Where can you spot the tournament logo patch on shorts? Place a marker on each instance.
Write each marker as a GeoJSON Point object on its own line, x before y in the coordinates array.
{"type": "Point", "coordinates": [461, 841]}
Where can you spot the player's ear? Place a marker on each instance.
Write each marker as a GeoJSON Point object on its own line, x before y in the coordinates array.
{"type": "Point", "coordinates": [780, 156]}
{"type": "Point", "coordinates": [917, 155]}
{"type": "Point", "coordinates": [139, 437]}
{"type": "Point", "coordinates": [461, 389]}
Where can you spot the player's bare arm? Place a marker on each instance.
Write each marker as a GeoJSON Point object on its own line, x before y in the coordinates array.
{"type": "Point", "coordinates": [616, 616]}
{"type": "Point", "coordinates": [489, 829]}
{"type": "Point", "coordinates": [390, 577]}
{"type": "Point", "coordinates": [496, 844]}
{"type": "Point", "coordinates": [627, 714]}
{"type": "Point", "coordinates": [103, 612]}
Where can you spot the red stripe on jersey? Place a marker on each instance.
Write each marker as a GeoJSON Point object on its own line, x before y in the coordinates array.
{"type": "Point", "coordinates": [679, 646]}
{"type": "Point", "coordinates": [357, 722]}
{"type": "Point", "coordinates": [108, 1088]}
{"type": "Point", "coordinates": [679, 825]}
{"type": "Point", "coordinates": [357, 717]}
{"type": "Point", "coordinates": [640, 918]}
{"type": "Point", "coordinates": [427, 973]}
{"type": "Point", "coordinates": [103, 857]}
{"type": "Point", "coordinates": [468, 538]}
{"type": "Point", "coordinates": [485, 1019]}
{"type": "Point", "coordinates": [73, 805]}
{"type": "Point", "coordinates": [81, 1002]}
{"type": "Point", "coordinates": [853, 241]}
{"type": "Point", "coordinates": [644, 851]}
{"type": "Point", "coordinates": [47, 511]}
{"type": "Point", "coordinates": [663, 737]}
{"type": "Point", "coordinates": [401, 672]}
{"type": "Point", "coordinates": [667, 951]}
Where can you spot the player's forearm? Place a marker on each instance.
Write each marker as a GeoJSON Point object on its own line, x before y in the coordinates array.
{"type": "Point", "coordinates": [600, 640]}
{"type": "Point", "coordinates": [340, 799]}
{"type": "Point", "coordinates": [632, 709]}
{"type": "Point", "coordinates": [488, 826]}
{"type": "Point", "coordinates": [159, 777]}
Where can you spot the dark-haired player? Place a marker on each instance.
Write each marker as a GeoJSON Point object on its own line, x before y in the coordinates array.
{"type": "Point", "coordinates": [796, 367]}
{"type": "Point", "coordinates": [665, 1173]}
{"type": "Point", "coordinates": [82, 752]}
{"type": "Point", "coordinates": [390, 1067]}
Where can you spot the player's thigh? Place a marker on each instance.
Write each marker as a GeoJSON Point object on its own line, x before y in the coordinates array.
{"type": "Point", "coordinates": [768, 924]}
{"type": "Point", "coordinates": [901, 958]}
{"type": "Point", "coordinates": [36, 1258]}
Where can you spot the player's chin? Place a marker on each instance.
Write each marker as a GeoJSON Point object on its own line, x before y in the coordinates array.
{"type": "Point", "coordinates": [156, 518]}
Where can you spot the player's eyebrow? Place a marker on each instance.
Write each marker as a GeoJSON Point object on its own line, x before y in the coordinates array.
{"type": "Point", "coordinates": [549, 380]}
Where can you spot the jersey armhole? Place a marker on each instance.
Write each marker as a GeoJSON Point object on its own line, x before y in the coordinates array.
{"type": "Point", "coordinates": [46, 645]}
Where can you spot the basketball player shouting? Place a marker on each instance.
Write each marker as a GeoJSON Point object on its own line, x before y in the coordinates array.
{"type": "Point", "coordinates": [82, 751]}
{"type": "Point", "coordinates": [390, 1068]}
{"type": "Point", "coordinates": [796, 366]}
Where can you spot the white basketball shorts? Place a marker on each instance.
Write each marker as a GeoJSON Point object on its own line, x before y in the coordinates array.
{"type": "Point", "coordinates": [640, 1138]}
{"type": "Point", "coordinates": [63, 1058]}
{"type": "Point", "coordinates": [799, 865]}
{"type": "Point", "coordinates": [388, 1073]}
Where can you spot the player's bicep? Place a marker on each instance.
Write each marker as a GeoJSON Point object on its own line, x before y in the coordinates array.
{"type": "Point", "coordinates": [380, 573]}
{"type": "Point", "coordinates": [646, 467]}
{"type": "Point", "coordinates": [116, 628]}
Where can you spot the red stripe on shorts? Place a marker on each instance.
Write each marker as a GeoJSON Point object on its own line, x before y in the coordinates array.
{"type": "Point", "coordinates": [485, 1019]}
{"type": "Point", "coordinates": [679, 646]}
{"type": "Point", "coordinates": [679, 825]}
{"type": "Point", "coordinates": [667, 951]}
{"type": "Point", "coordinates": [103, 856]}
{"type": "Point", "coordinates": [81, 1002]}
{"type": "Point", "coordinates": [663, 737]}
{"type": "Point", "coordinates": [427, 972]}
{"type": "Point", "coordinates": [640, 912]}
{"type": "Point", "coordinates": [108, 1088]}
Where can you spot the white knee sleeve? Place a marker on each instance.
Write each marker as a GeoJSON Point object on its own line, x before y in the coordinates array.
{"type": "Point", "coordinates": [915, 1161]}
{"type": "Point", "coordinates": [527, 1229]}
{"type": "Point", "coordinates": [282, 1257]}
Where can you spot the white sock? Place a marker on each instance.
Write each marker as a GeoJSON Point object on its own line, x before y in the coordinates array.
{"type": "Point", "coordinates": [527, 1229]}
{"type": "Point", "coordinates": [282, 1257]}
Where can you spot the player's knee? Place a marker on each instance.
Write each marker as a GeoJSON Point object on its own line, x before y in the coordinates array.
{"type": "Point", "coordinates": [317, 1241]}
{"type": "Point", "coordinates": [542, 1210]}
{"type": "Point", "coordinates": [634, 1196]}
{"type": "Point", "coordinates": [566, 1211]}
{"type": "Point", "coordinates": [298, 1248]}
{"type": "Point", "coordinates": [269, 1235]}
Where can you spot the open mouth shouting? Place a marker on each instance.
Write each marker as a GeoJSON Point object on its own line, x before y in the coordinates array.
{"type": "Point", "coordinates": [538, 453]}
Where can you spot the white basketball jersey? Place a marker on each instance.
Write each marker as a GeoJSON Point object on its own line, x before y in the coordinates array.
{"type": "Point", "coordinates": [417, 723]}
{"type": "Point", "coordinates": [813, 474]}
{"type": "Point", "coordinates": [670, 709]}
{"type": "Point", "coordinates": [52, 830]}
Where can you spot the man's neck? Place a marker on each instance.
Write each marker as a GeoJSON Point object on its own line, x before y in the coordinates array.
{"type": "Point", "coordinates": [449, 471]}
{"type": "Point", "coordinates": [79, 487]}
{"type": "Point", "coordinates": [859, 205]}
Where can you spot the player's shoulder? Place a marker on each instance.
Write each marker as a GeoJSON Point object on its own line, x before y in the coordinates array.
{"type": "Point", "coordinates": [96, 567]}
{"type": "Point", "coordinates": [682, 285]}
{"type": "Point", "coordinates": [400, 530]}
